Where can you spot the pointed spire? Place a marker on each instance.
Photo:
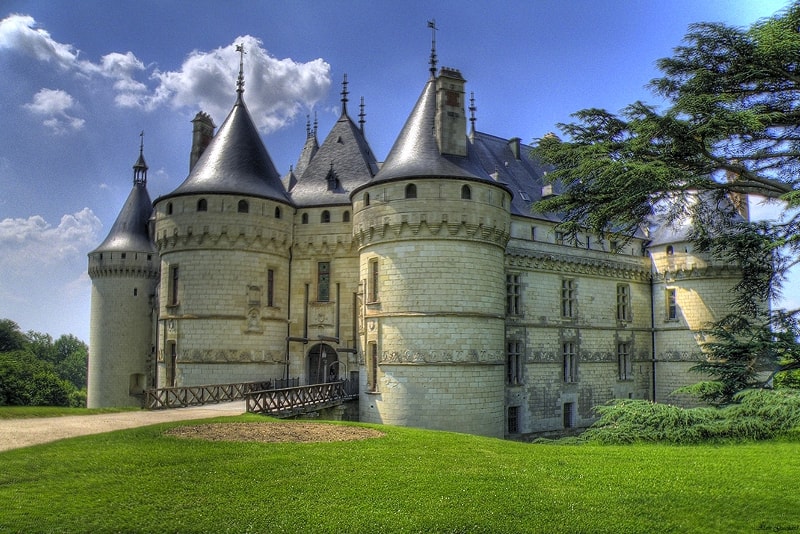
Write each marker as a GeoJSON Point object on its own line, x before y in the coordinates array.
{"type": "Point", "coordinates": [432, 26]}
{"type": "Point", "coordinates": [140, 167]}
{"type": "Point", "coordinates": [240, 79]}
{"type": "Point", "coordinates": [361, 115]}
{"type": "Point", "coordinates": [344, 95]}
{"type": "Point", "coordinates": [472, 110]}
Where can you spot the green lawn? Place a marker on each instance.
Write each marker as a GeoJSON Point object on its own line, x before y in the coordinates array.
{"type": "Point", "coordinates": [407, 481]}
{"type": "Point", "coordinates": [25, 412]}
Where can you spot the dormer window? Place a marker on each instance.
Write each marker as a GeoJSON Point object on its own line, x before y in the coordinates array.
{"type": "Point", "coordinates": [202, 205]}
{"type": "Point", "coordinates": [411, 191]}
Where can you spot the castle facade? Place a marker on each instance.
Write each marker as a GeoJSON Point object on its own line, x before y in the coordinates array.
{"type": "Point", "coordinates": [427, 278]}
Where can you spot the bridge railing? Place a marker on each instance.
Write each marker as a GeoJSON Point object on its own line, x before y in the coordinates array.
{"type": "Point", "coordinates": [181, 397]}
{"type": "Point", "coordinates": [300, 399]}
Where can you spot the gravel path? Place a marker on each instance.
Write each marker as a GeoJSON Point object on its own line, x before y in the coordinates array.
{"type": "Point", "coordinates": [18, 433]}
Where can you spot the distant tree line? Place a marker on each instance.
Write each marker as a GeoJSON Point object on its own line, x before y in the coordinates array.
{"type": "Point", "coordinates": [35, 370]}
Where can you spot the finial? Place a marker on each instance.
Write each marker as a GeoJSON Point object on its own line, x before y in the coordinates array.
{"type": "Point", "coordinates": [344, 94]}
{"type": "Point", "coordinates": [240, 79]}
{"type": "Point", "coordinates": [432, 26]}
{"type": "Point", "coordinates": [308, 125]}
{"type": "Point", "coordinates": [472, 110]}
{"type": "Point", "coordinates": [140, 167]}
{"type": "Point", "coordinates": [361, 115]}
{"type": "Point", "coordinates": [315, 123]}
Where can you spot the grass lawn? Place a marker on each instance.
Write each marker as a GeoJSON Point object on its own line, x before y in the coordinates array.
{"type": "Point", "coordinates": [24, 412]}
{"type": "Point", "coordinates": [407, 481]}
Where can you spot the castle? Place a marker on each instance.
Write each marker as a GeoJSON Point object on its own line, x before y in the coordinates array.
{"type": "Point", "coordinates": [426, 278]}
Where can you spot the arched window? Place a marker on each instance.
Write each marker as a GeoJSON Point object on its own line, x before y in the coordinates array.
{"type": "Point", "coordinates": [277, 212]}
{"type": "Point", "coordinates": [670, 250]}
{"type": "Point", "coordinates": [243, 207]}
{"type": "Point", "coordinates": [411, 191]}
{"type": "Point", "coordinates": [366, 199]}
{"type": "Point", "coordinates": [346, 216]}
{"type": "Point", "coordinates": [304, 218]}
{"type": "Point", "coordinates": [169, 208]}
{"type": "Point", "coordinates": [325, 217]}
{"type": "Point", "coordinates": [202, 205]}
{"type": "Point", "coordinates": [466, 192]}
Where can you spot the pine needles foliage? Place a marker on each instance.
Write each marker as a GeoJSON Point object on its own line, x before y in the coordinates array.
{"type": "Point", "coordinates": [757, 415]}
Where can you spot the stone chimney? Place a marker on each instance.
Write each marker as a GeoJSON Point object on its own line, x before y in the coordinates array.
{"type": "Point", "coordinates": [451, 121]}
{"type": "Point", "coordinates": [202, 134]}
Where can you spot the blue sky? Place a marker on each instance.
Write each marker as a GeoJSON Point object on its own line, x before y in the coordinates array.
{"type": "Point", "coordinates": [81, 79]}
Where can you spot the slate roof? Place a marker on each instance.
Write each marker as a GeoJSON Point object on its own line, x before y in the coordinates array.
{"type": "Point", "coordinates": [343, 162]}
{"type": "Point", "coordinates": [130, 232]}
{"type": "Point", "coordinates": [415, 153]}
{"type": "Point", "coordinates": [235, 162]}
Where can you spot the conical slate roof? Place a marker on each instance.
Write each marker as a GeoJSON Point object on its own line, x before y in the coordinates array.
{"type": "Point", "coordinates": [343, 162]}
{"type": "Point", "coordinates": [130, 231]}
{"type": "Point", "coordinates": [235, 162]}
{"type": "Point", "coordinates": [416, 152]}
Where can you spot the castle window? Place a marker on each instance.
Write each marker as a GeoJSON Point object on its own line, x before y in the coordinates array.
{"type": "Point", "coordinates": [372, 283]}
{"type": "Point", "coordinates": [570, 362]}
{"type": "Point", "coordinates": [559, 238]}
{"type": "Point", "coordinates": [569, 414]}
{"type": "Point", "coordinates": [202, 205]}
{"type": "Point", "coordinates": [670, 250]}
{"type": "Point", "coordinates": [277, 212]}
{"type": "Point", "coordinates": [304, 218]}
{"type": "Point", "coordinates": [513, 362]}
{"type": "Point", "coordinates": [169, 208]}
{"type": "Point", "coordinates": [623, 302]}
{"type": "Point", "coordinates": [243, 207]}
{"type": "Point", "coordinates": [135, 291]}
{"type": "Point", "coordinates": [411, 191]}
{"type": "Point", "coordinates": [672, 304]}
{"type": "Point", "coordinates": [466, 192]}
{"type": "Point", "coordinates": [325, 217]}
{"type": "Point", "coordinates": [172, 286]}
{"type": "Point", "coordinates": [569, 301]}
{"type": "Point", "coordinates": [372, 368]}
{"type": "Point", "coordinates": [366, 199]}
{"type": "Point", "coordinates": [533, 233]}
{"type": "Point", "coordinates": [512, 420]}
{"type": "Point", "coordinates": [346, 216]}
{"type": "Point", "coordinates": [123, 255]}
{"type": "Point", "coordinates": [270, 287]}
{"type": "Point", "coordinates": [323, 281]}
{"type": "Point", "coordinates": [513, 295]}
{"type": "Point", "coordinates": [613, 245]}
{"type": "Point", "coordinates": [625, 362]}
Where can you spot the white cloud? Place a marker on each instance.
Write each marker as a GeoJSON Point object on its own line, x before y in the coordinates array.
{"type": "Point", "coordinates": [28, 243]}
{"type": "Point", "coordinates": [53, 105]}
{"type": "Point", "coordinates": [19, 32]}
{"type": "Point", "coordinates": [277, 90]}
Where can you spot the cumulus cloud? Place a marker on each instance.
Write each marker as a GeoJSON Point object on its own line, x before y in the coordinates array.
{"type": "Point", "coordinates": [277, 90]}
{"type": "Point", "coordinates": [35, 240]}
{"type": "Point", "coordinates": [52, 104]}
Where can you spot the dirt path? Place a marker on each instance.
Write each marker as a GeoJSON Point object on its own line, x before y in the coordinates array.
{"type": "Point", "coordinates": [18, 433]}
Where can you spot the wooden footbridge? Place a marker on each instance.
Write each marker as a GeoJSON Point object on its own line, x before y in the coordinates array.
{"type": "Point", "coordinates": [279, 398]}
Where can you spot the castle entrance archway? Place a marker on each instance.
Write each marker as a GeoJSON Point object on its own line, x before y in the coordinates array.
{"type": "Point", "coordinates": [323, 364]}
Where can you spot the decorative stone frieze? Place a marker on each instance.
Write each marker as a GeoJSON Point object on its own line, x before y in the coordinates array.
{"type": "Point", "coordinates": [469, 356]}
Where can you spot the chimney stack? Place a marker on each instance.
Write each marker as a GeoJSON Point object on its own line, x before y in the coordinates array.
{"type": "Point", "coordinates": [451, 121]}
{"type": "Point", "coordinates": [202, 134]}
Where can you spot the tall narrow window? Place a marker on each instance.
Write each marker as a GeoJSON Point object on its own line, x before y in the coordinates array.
{"type": "Point", "coordinates": [169, 208]}
{"type": "Point", "coordinates": [513, 420]}
{"type": "Point", "coordinates": [243, 207]}
{"type": "Point", "coordinates": [366, 199]}
{"type": "Point", "coordinates": [466, 193]}
{"type": "Point", "coordinates": [372, 283]}
{"type": "Point", "coordinates": [672, 304]}
{"type": "Point", "coordinates": [277, 212]}
{"type": "Point", "coordinates": [323, 281]}
{"type": "Point", "coordinates": [325, 217]}
{"type": "Point", "coordinates": [202, 205]}
{"type": "Point", "coordinates": [513, 363]}
{"type": "Point", "coordinates": [304, 218]}
{"type": "Point", "coordinates": [270, 287]}
{"type": "Point", "coordinates": [569, 414]}
{"type": "Point", "coordinates": [623, 302]}
{"type": "Point", "coordinates": [568, 298]}
{"type": "Point", "coordinates": [559, 238]}
{"type": "Point", "coordinates": [513, 295]}
{"type": "Point", "coordinates": [533, 233]}
{"type": "Point", "coordinates": [172, 293]}
{"type": "Point", "coordinates": [346, 216]}
{"type": "Point", "coordinates": [411, 191]}
{"type": "Point", "coordinates": [624, 359]}
{"type": "Point", "coordinates": [570, 362]}
{"type": "Point", "coordinates": [372, 380]}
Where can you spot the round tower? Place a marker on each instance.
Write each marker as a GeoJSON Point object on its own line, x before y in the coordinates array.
{"type": "Point", "coordinates": [224, 238]}
{"type": "Point", "coordinates": [124, 273]}
{"type": "Point", "coordinates": [432, 228]}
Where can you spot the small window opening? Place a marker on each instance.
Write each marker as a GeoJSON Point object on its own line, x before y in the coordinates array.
{"type": "Point", "coordinates": [243, 207]}
{"type": "Point", "coordinates": [411, 191]}
{"type": "Point", "coordinates": [325, 217]}
{"type": "Point", "coordinates": [202, 205]}
{"type": "Point", "coordinates": [466, 192]}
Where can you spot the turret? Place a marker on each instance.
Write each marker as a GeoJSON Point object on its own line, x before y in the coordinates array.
{"type": "Point", "coordinates": [124, 273]}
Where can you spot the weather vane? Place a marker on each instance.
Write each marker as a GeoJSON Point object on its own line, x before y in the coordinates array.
{"type": "Point", "coordinates": [432, 26]}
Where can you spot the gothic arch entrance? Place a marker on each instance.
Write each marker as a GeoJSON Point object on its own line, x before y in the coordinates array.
{"type": "Point", "coordinates": [323, 364]}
